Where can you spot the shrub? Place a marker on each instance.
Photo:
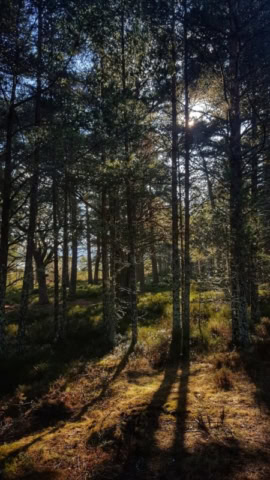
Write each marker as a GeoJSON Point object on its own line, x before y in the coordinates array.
{"type": "Point", "coordinates": [153, 307]}
{"type": "Point", "coordinates": [231, 361]}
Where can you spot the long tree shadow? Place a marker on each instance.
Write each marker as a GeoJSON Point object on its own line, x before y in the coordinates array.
{"type": "Point", "coordinates": [181, 411]}
{"type": "Point", "coordinates": [210, 455]}
{"type": "Point", "coordinates": [120, 367]}
{"type": "Point", "coordinates": [257, 367]}
{"type": "Point", "coordinates": [160, 444]}
{"type": "Point", "coordinates": [139, 445]}
{"type": "Point", "coordinates": [24, 448]}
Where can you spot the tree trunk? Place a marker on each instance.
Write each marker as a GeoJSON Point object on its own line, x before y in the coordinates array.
{"type": "Point", "coordinates": [97, 262]}
{"type": "Point", "coordinates": [187, 275]}
{"type": "Point", "coordinates": [32, 280]}
{"type": "Point", "coordinates": [107, 317]}
{"type": "Point", "coordinates": [155, 276]}
{"type": "Point", "coordinates": [74, 247]}
{"type": "Point", "coordinates": [41, 276]}
{"type": "Point", "coordinates": [6, 203]}
{"type": "Point", "coordinates": [33, 195]}
{"type": "Point", "coordinates": [140, 272]}
{"type": "Point", "coordinates": [89, 252]}
{"type": "Point", "coordinates": [240, 334]}
{"type": "Point", "coordinates": [114, 261]}
{"type": "Point", "coordinates": [176, 328]}
{"type": "Point", "coordinates": [131, 208]}
{"type": "Point", "coordinates": [254, 293]}
{"type": "Point", "coordinates": [209, 183]}
{"type": "Point", "coordinates": [64, 318]}
{"type": "Point", "coordinates": [182, 243]}
{"type": "Point", "coordinates": [57, 331]}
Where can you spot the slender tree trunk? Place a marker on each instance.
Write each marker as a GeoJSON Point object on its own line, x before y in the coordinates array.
{"type": "Point", "coordinates": [107, 318]}
{"type": "Point", "coordinates": [254, 293]}
{"type": "Point", "coordinates": [176, 328]}
{"type": "Point", "coordinates": [63, 325]}
{"type": "Point", "coordinates": [97, 262]}
{"type": "Point", "coordinates": [74, 247]}
{"type": "Point", "coordinates": [6, 192]}
{"type": "Point", "coordinates": [113, 255]}
{"type": "Point", "coordinates": [32, 279]}
{"type": "Point", "coordinates": [155, 276]}
{"type": "Point", "coordinates": [160, 265]}
{"type": "Point", "coordinates": [182, 249]}
{"type": "Point", "coordinates": [33, 196]}
{"type": "Point", "coordinates": [131, 208]}
{"type": "Point", "coordinates": [240, 332]}
{"type": "Point", "coordinates": [89, 252]}
{"type": "Point", "coordinates": [140, 272]}
{"type": "Point", "coordinates": [41, 277]}
{"type": "Point", "coordinates": [209, 183]}
{"type": "Point", "coordinates": [57, 332]}
{"type": "Point", "coordinates": [187, 264]}
{"type": "Point", "coordinates": [6, 204]}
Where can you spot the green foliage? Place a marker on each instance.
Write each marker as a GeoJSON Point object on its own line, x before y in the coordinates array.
{"type": "Point", "coordinates": [13, 295]}
{"type": "Point", "coordinates": [210, 326]}
{"type": "Point", "coordinates": [85, 291]}
{"type": "Point", "coordinates": [152, 307]}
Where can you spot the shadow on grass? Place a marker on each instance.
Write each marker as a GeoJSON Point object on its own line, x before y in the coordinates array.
{"type": "Point", "coordinates": [29, 377]}
{"type": "Point", "coordinates": [218, 459]}
{"type": "Point", "coordinates": [120, 367]}
{"type": "Point", "coordinates": [257, 367]}
{"type": "Point", "coordinates": [23, 449]}
{"type": "Point", "coordinates": [137, 447]}
{"type": "Point", "coordinates": [146, 453]}
{"type": "Point", "coordinates": [42, 475]}
{"type": "Point", "coordinates": [158, 444]}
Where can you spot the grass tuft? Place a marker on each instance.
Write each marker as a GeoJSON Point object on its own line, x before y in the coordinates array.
{"type": "Point", "coordinates": [223, 379]}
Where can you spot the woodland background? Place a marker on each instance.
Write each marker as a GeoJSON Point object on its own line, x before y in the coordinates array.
{"type": "Point", "coordinates": [134, 242]}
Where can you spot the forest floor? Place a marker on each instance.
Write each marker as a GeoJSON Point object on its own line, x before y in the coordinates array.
{"type": "Point", "coordinates": [124, 416]}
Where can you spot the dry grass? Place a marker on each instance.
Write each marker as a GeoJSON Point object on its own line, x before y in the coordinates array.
{"type": "Point", "coordinates": [133, 416]}
{"type": "Point", "coordinates": [139, 422]}
{"type": "Point", "coordinates": [224, 379]}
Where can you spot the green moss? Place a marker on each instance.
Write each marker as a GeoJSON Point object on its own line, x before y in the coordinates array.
{"type": "Point", "coordinates": [22, 464]}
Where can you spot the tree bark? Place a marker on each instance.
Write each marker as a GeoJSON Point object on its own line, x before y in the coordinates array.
{"type": "Point", "coordinates": [140, 272]}
{"type": "Point", "coordinates": [114, 261]}
{"type": "Point", "coordinates": [89, 250]}
{"type": "Point", "coordinates": [33, 194]}
{"type": "Point", "coordinates": [187, 264]}
{"type": "Point", "coordinates": [131, 209]}
{"type": "Point", "coordinates": [240, 333]}
{"type": "Point", "coordinates": [63, 325]}
{"type": "Point", "coordinates": [57, 331]}
{"type": "Point", "coordinates": [155, 276]}
{"type": "Point", "coordinates": [107, 317]}
{"type": "Point", "coordinates": [254, 292]}
{"type": "Point", "coordinates": [6, 205]}
{"type": "Point", "coordinates": [41, 277]}
{"type": "Point", "coordinates": [74, 247]}
{"type": "Point", "coordinates": [97, 262]}
{"type": "Point", "coordinates": [176, 328]}
{"type": "Point", "coordinates": [131, 206]}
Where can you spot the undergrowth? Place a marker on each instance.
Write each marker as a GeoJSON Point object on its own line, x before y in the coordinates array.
{"type": "Point", "coordinates": [78, 400]}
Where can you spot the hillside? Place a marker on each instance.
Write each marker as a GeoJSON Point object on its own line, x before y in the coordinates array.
{"type": "Point", "coordinates": [132, 414]}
